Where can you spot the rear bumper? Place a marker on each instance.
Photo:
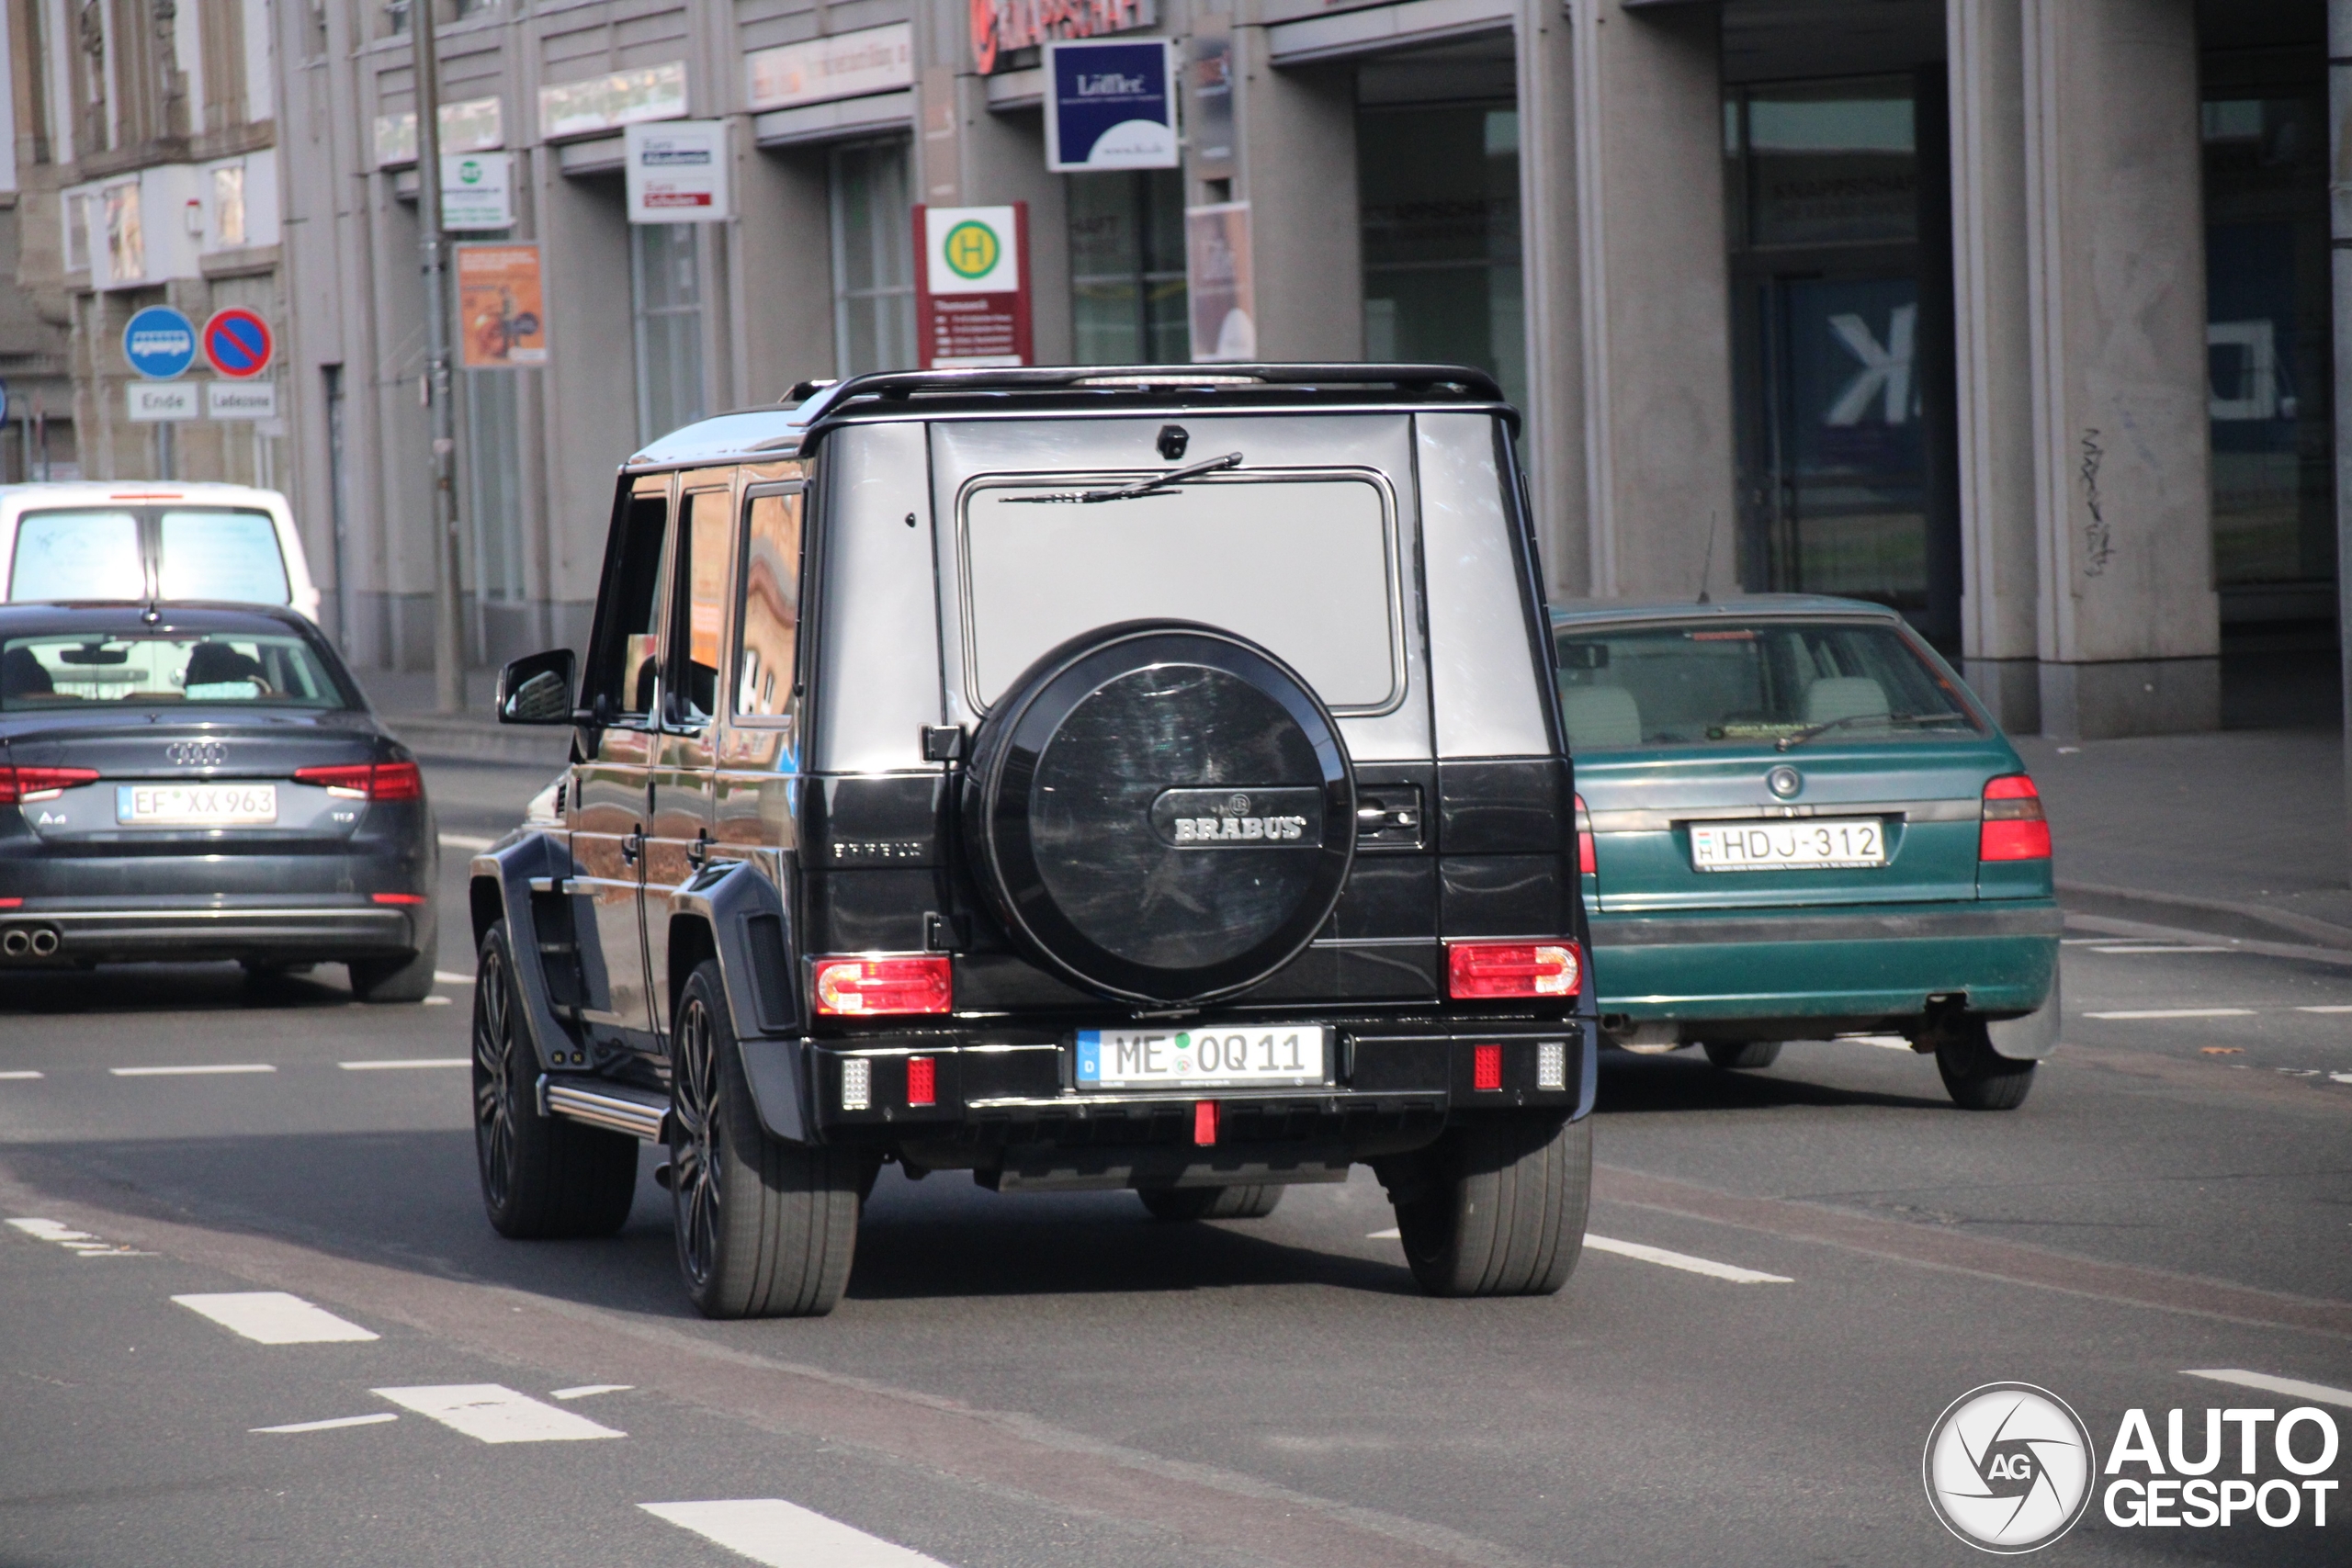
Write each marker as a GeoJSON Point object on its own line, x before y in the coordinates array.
{"type": "Point", "coordinates": [188, 930]}
{"type": "Point", "coordinates": [1852, 962]}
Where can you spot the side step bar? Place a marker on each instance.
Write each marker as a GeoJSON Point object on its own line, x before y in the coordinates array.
{"type": "Point", "coordinates": [637, 1112]}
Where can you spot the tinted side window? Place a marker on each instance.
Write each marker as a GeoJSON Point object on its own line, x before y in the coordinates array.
{"type": "Point", "coordinates": [629, 655]}
{"type": "Point", "coordinates": [768, 640]}
{"type": "Point", "coordinates": [701, 604]}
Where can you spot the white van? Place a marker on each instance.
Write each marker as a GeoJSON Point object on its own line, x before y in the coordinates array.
{"type": "Point", "coordinates": [151, 539]}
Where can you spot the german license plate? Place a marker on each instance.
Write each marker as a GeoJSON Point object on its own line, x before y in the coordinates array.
{"type": "Point", "coordinates": [1819, 843]}
{"type": "Point", "coordinates": [1261, 1055]}
{"type": "Point", "coordinates": [205, 805]}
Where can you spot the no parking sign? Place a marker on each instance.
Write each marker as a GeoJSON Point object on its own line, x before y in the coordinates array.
{"type": "Point", "coordinates": [238, 343]}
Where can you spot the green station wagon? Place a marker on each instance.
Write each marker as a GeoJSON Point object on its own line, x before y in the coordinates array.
{"type": "Point", "coordinates": [1795, 821]}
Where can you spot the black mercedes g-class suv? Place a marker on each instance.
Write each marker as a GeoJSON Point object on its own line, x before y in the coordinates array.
{"type": "Point", "coordinates": [1087, 779]}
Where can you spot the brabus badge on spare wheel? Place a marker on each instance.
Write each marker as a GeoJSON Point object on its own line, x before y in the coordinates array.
{"type": "Point", "coordinates": [2009, 1467]}
{"type": "Point", "coordinates": [1221, 819]}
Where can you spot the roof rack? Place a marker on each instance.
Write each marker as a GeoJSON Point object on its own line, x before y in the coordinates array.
{"type": "Point", "coordinates": [815, 400]}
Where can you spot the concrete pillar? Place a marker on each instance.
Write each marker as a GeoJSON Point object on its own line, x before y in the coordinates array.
{"type": "Point", "coordinates": [1656, 328]}
{"type": "Point", "coordinates": [590, 407]}
{"type": "Point", "coordinates": [1553, 440]}
{"type": "Point", "coordinates": [1993, 353]}
{"type": "Point", "coordinates": [783, 264]}
{"type": "Point", "coordinates": [1296, 165]}
{"type": "Point", "coordinates": [2128, 624]}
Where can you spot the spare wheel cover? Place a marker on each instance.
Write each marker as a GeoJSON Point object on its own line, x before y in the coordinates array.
{"type": "Point", "coordinates": [1163, 812]}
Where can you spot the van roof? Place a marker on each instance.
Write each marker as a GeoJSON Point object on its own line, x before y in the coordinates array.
{"type": "Point", "coordinates": [84, 493]}
{"type": "Point", "coordinates": [814, 408]}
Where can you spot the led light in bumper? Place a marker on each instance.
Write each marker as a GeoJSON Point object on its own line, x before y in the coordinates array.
{"type": "Point", "coordinates": [1552, 1065]}
{"type": "Point", "coordinates": [1486, 1067]}
{"type": "Point", "coordinates": [857, 1083]}
{"type": "Point", "coordinates": [1480, 971]}
{"type": "Point", "coordinates": [923, 1080]}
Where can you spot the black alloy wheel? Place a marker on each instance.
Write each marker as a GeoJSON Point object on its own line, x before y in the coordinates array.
{"type": "Point", "coordinates": [541, 1176]}
{"type": "Point", "coordinates": [695, 1159]}
{"type": "Point", "coordinates": [1160, 812]}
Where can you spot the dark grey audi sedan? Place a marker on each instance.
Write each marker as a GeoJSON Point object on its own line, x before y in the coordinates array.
{"type": "Point", "coordinates": [185, 782]}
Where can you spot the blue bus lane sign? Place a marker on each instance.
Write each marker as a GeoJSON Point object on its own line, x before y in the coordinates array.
{"type": "Point", "coordinates": [160, 343]}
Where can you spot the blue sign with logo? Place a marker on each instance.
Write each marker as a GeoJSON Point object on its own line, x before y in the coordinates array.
{"type": "Point", "coordinates": [1110, 104]}
{"type": "Point", "coordinates": [160, 343]}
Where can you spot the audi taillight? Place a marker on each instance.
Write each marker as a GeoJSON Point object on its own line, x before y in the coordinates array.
{"type": "Point", "coordinates": [18, 785]}
{"type": "Point", "coordinates": [366, 781]}
{"type": "Point", "coordinates": [865, 987]}
{"type": "Point", "coordinates": [1586, 861]}
{"type": "Point", "coordinates": [1484, 971]}
{"type": "Point", "coordinates": [2014, 827]}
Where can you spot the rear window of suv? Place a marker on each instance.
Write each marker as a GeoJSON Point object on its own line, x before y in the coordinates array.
{"type": "Point", "coordinates": [1303, 563]}
{"type": "Point", "coordinates": [84, 671]}
{"type": "Point", "coordinates": [1720, 683]}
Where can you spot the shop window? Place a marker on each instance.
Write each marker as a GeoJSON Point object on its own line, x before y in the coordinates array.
{"type": "Point", "coordinates": [873, 288]}
{"type": "Point", "coordinates": [1439, 204]}
{"type": "Point", "coordinates": [2268, 333]}
{"type": "Point", "coordinates": [665, 279]}
{"type": "Point", "coordinates": [1126, 263]}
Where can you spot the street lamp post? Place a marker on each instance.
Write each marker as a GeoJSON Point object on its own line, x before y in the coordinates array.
{"type": "Point", "coordinates": [448, 649]}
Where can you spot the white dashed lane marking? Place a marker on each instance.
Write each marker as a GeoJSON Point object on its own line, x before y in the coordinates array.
{"type": "Point", "coordinates": [272, 1317]}
{"type": "Point", "coordinates": [81, 1242]}
{"type": "Point", "coordinates": [2324, 1009]}
{"type": "Point", "coordinates": [2154, 947]}
{"type": "Point", "coordinates": [586, 1389]}
{"type": "Point", "coordinates": [489, 1413]}
{"type": "Point", "coordinates": [2292, 1388]}
{"type": "Point", "coordinates": [377, 1419]}
{"type": "Point", "coordinates": [785, 1535]}
{"type": "Point", "coordinates": [2177, 1012]}
{"type": "Point", "coordinates": [1684, 1260]}
{"type": "Point", "coordinates": [390, 1063]}
{"type": "Point", "coordinates": [16, 1073]}
{"type": "Point", "coordinates": [204, 1070]}
{"type": "Point", "coordinates": [451, 977]}
{"type": "Point", "coordinates": [474, 841]}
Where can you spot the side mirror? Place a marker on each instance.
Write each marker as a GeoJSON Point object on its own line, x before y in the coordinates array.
{"type": "Point", "coordinates": [538, 689]}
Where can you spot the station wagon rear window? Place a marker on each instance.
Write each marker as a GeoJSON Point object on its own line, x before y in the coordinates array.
{"type": "Point", "coordinates": [1303, 563]}
{"type": "Point", "coordinates": [84, 671]}
{"type": "Point", "coordinates": [1731, 683]}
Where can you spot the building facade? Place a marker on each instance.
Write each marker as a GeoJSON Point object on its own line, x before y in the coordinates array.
{"type": "Point", "coordinates": [2012, 313]}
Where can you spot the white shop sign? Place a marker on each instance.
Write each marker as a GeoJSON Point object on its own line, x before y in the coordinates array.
{"type": "Point", "coordinates": [677, 172]}
{"type": "Point", "coordinates": [848, 65]}
{"type": "Point", "coordinates": [477, 191]}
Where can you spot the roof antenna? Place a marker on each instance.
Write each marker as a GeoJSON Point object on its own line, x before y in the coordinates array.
{"type": "Point", "coordinates": [1707, 571]}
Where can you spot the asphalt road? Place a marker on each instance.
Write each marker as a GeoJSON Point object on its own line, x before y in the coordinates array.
{"type": "Point", "coordinates": [1056, 1380]}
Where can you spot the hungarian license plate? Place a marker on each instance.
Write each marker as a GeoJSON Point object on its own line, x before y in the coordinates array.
{"type": "Point", "coordinates": [1262, 1055]}
{"type": "Point", "coordinates": [1819, 843]}
{"type": "Point", "coordinates": [205, 805]}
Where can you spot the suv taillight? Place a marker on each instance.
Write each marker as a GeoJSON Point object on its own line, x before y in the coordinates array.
{"type": "Point", "coordinates": [366, 781]}
{"type": "Point", "coordinates": [862, 988]}
{"type": "Point", "coordinates": [1484, 971]}
{"type": "Point", "coordinates": [40, 783]}
{"type": "Point", "coordinates": [2014, 827]}
{"type": "Point", "coordinates": [1586, 861]}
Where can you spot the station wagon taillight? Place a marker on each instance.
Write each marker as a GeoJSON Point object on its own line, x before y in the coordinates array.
{"type": "Point", "coordinates": [865, 987]}
{"type": "Point", "coordinates": [366, 781]}
{"type": "Point", "coordinates": [18, 785]}
{"type": "Point", "coordinates": [1586, 861]}
{"type": "Point", "coordinates": [1486, 970]}
{"type": "Point", "coordinates": [2014, 827]}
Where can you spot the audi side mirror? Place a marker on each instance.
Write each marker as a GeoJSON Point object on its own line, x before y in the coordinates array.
{"type": "Point", "coordinates": [538, 689]}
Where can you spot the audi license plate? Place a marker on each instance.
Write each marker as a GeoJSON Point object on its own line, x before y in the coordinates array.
{"type": "Point", "coordinates": [1819, 844]}
{"type": "Point", "coordinates": [199, 806]}
{"type": "Point", "coordinates": [1265, 1055]}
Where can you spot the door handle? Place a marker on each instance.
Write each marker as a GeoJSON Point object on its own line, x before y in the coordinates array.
{"type": "Point", "coordinates": [633, 846]}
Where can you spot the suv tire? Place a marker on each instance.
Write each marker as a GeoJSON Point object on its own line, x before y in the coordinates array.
{"type": "Point", "coordinates": [1977, 1076]}
{"type": "Point", "coordinates": [764, 1228]}
{"type": "Point", "coordinates": [1210, 1202]}
{"type": "Point", "coordinates": [1496, 1206]}
{"type": "Point", "coordinates": [1090, 785]}
{"type": "Point", "coordinates": [541, 1176]}
{"type": "Point", "coordinates": [1742, 1054]}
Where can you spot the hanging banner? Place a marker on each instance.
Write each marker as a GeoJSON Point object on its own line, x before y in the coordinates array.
{"type": "Point", "coordinates": [677, 172]}
{"type": "Point", "coordinates": [1110, 105]}
{"type": "Point", "coordinates": [1217, 278]}
{"type": "Point", "coordinates": [972, 286]}
{"type": "Point", "coordinates": [477, 190]}
{"type": "Point", "coordinates": [1000, 27]}
{"type": "Point", "coordinates": [501, 317]}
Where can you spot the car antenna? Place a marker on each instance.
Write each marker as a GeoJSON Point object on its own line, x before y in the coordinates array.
{"type": "Point", "coordinates": [151, 614]}
{"type": "Point", "coordinates": [1707, 570]}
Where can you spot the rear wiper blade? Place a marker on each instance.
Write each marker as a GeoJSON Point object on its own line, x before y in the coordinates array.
{"type": "Point", "coordinates": [1787, 742]}
{"type": "Point", "coordinates": [1160, 482]}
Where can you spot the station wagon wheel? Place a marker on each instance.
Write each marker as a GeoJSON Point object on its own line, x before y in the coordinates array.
{"type": "Point", "coordinates": [541, 1176]}
{"type": "Point", "coordinates": [765, 1228]}
{"type": "Point", "coordinates": [1977, 1076]}
{"type": "Point", "coordinates": [695, 1157]}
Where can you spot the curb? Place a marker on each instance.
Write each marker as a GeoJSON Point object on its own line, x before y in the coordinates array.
{"type": "Point", "coordinates": [2217, 916]}
{"type": "Point", "coordinates": [459, 738]}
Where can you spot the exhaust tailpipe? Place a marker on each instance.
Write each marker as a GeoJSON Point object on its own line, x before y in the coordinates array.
{"type": "Point", "coordinates": [44, 942]}
{"type": "Point", "coordinates": [13, 943]}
